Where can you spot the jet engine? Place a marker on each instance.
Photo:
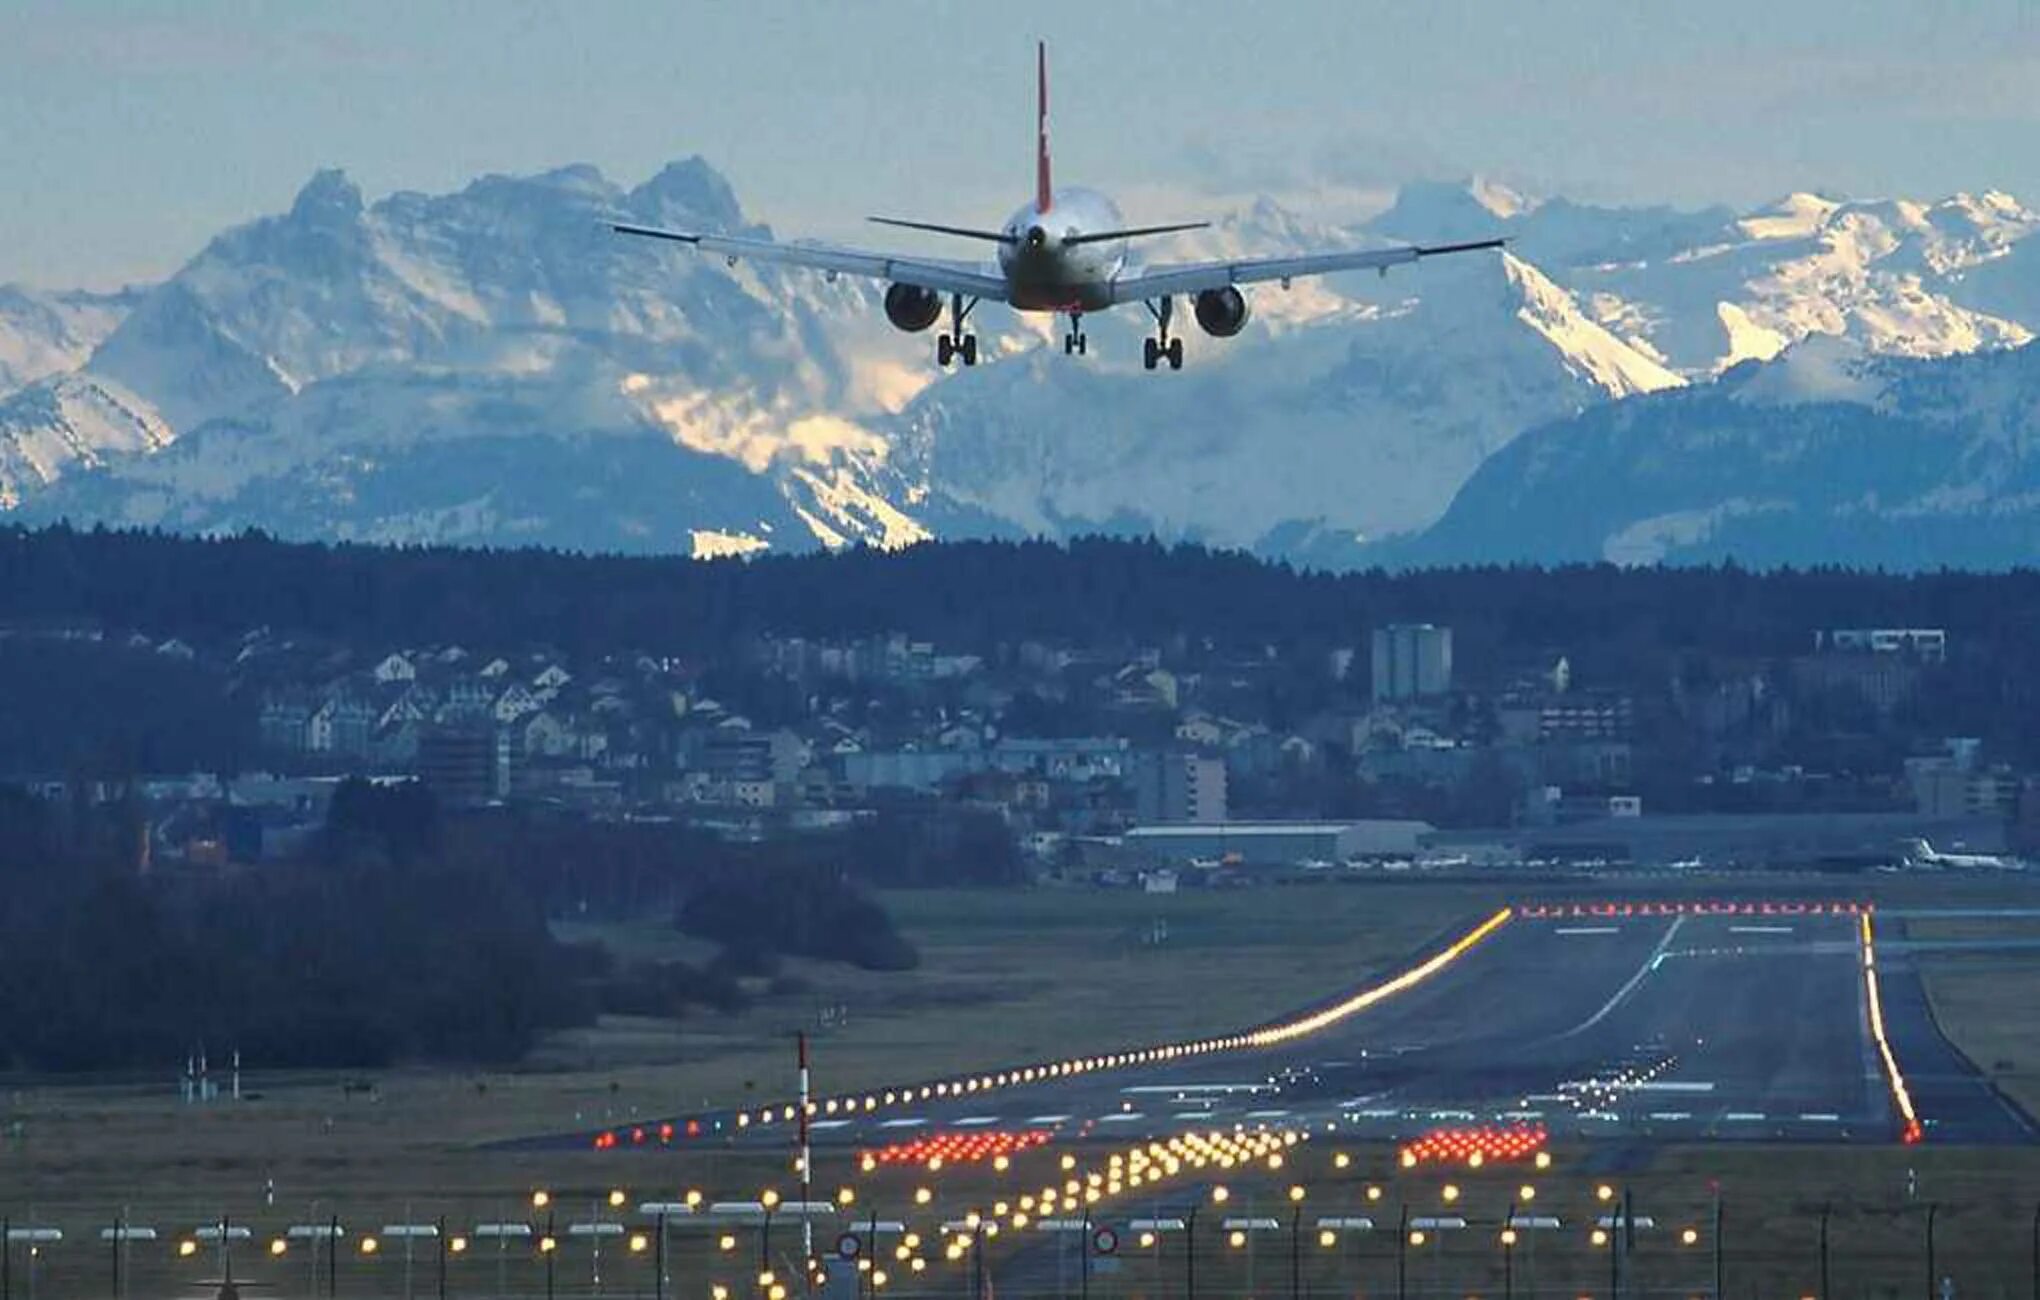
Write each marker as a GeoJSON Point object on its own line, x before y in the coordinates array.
{"type": "Point", "coordinates": [1221, 313]}
{"type": "Point", "coordinates": [912, 308]}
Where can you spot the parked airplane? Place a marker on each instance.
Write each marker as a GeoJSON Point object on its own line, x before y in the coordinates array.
{"type": "Point", "coordinates": [1922, 853]}
{"type": "Point", "coordinates": [1062, 252]}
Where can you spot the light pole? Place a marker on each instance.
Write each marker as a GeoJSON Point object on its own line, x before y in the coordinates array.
{"type": "Point", "coordinates": [1825, 1211]}
{"type": "Point", "coordinates": [1190, 1253]}
{"type": "Point", "coordinates": [659, 1260]}
{"type": "Point", "coordinates": [1720, 1220]}
{"type": "Point", "coordinates": [1084, 1258]}
{"type": "Point", "coordinates": [1402, 1252]}
{"type": "Point", "coordinates": [1296, 1253]}
{"type": "Point", "coordinates": [1933, 1208]}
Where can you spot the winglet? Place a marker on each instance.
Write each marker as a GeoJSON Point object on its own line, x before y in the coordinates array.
{"type": "Point", "coordinates": [1044, 192]}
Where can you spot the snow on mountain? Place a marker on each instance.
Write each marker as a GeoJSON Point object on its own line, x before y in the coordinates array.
{"type": "Point", "coordinates": [340, 343]}
{"type": "Point", "coordinates": [1363, 413]}
{"type": "Point", "coordinates": [1702, 291]}
{"type": "Point", "coordinates": [43, 334]}
{"type": "Point", "coordinates": [493, 366]}
{"type": "Point", "coordinates": [1828, 453]}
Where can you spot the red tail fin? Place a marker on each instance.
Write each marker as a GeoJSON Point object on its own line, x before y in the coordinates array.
{"type": "Point", "coordinates": [1043, 190]}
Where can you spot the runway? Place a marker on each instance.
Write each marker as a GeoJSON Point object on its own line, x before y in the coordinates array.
{"type": "Point", "coordinates": [1640, 1024]}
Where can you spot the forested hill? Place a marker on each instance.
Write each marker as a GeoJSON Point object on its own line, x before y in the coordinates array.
{"type": "Point", "coordinates": [964, 595]}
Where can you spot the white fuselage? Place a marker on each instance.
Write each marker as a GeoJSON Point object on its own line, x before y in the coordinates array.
{"type": "Point", "coordinates": [1044, 272]}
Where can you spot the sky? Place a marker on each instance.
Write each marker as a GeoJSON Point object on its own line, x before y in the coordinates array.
{"type": "Point", "coordinates": [131, 131]}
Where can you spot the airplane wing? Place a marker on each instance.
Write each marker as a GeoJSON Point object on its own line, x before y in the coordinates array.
{"type": "Point", "coordinates": [922, 272]}
{"type": "Point", "coordinates": [1195, 277]}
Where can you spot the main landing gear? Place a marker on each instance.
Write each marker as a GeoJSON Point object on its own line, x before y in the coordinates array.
{"type": "Point", "coordinates": [1154, 350]}
{"type": "Point", "coordinates": [1075, 344]}
{"type": "Point", "coordinates": [957, 345]}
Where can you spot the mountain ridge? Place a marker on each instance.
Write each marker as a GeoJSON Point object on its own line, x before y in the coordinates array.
{"type": "Point", "coordinates": [317, 372]}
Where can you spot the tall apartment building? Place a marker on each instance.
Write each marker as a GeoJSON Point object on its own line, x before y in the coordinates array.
{"type": "Point", "coordinates": [1412, 661]}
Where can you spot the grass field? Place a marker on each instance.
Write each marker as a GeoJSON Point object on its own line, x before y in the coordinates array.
{"type": "Point", "coordinates": [1006, 976]}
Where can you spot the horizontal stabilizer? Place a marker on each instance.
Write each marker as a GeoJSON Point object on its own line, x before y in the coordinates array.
{"type": "Point", "coordinates": [1136, 232]}
{"type": "Point", "coordinates": [990, 236]}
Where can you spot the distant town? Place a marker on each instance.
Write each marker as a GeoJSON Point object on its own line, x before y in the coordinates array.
{"type": "Point", "coordinates": [1161, 766]}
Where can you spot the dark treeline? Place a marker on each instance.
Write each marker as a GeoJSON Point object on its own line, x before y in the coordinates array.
{"type": "Point", "coordinates": [347, 960]}
{"type": "Point", "coordinates": [963, 594]}
{"type": "Point", "coordinates": [406, 934]}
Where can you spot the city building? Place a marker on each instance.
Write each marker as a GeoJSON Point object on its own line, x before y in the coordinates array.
{"type": "Point", "coordinates": [1412, 661]}
{"type": "Point", "coordinates": [1275, 844]}
{"type": "Point", "coordinates": [1926, 644]}
{"type": "Point", "coordinates": [465, 765]}
{"type": "Point", "coordinates": [1179, 788]}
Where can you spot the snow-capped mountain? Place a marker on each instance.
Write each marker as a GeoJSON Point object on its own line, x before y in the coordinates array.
{"type": "Point", "coordinates": [1828, 452]}
{"type": "Point", "coordinates": [491, 366]}
{"type": "Point", "coordinates": [1701, 291]}
{"type": "Point", "coordinates": [45, 334]}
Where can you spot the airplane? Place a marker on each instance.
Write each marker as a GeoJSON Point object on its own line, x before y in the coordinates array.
{"type": "Point", "coordinates": [1064, 251]}
{"type": "Point", "coordinates": [1922, 853]}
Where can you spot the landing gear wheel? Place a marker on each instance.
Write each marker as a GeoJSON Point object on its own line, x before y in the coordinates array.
{"type": "Point", "coordinates": [955, 345]}
{"type": "Point", "coordinates": [1150, 352]}
{"type": "Point", "coordinates": [1175, 354]}
{"type": "Point", "coordinates": [1083, 345]}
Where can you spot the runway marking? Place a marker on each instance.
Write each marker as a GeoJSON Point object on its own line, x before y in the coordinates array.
{"type": "Point", "coordinates": [1760, 929]}
{"type": "Point", "coordinates": [1674, 1085]}
{"type": "Point", "coordinates": [974, 1121]}
{"type": "Point", "coordinates": [1671, 1114]}
{"type": "Point", "coordinates": [1191, 1114]}
{"type": "Point", "coordinates": [1183, 1089]}
{"type": "Point", "coordinates": [1819, 1117]}
{"type": "Point", "coordinates": [829, 1123]}
{"type": "Point", "coordinates": [1650, 964]}
{"type": "Point", "coordinates": [1048, 1119]}
{"type": "Point", "coordinates": [1267, 1114]}
{"type": "Point", "coordinates": [911, 1122]}
{"type": "Point", "coordinates": [1587, 929]}
{"type": "Point", "coordinates": [1121, 1117]}
{"type": "Point", "coordinates": [1743, 1116]}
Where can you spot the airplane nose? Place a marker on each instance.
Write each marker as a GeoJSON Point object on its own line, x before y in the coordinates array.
{"type": "Point", "coordinates": [1036, 236]}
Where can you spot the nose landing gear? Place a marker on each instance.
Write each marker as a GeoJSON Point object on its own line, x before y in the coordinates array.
{"type": "Point", "coordinates": [957, 345]}
{"type": "Point", "coordinates": [1075, 343]}
{"type": "Point", "coordinates": [1161, 347]}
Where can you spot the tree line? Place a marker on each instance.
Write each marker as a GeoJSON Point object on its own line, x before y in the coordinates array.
{"type": "Point", "coordinates": [972, 595]}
